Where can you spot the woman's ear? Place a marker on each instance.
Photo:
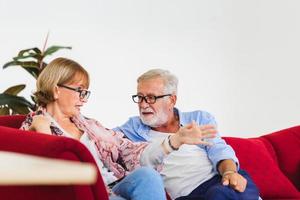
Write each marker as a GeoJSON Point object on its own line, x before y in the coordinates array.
{"type": "Point", "coordinates": [55, 93]}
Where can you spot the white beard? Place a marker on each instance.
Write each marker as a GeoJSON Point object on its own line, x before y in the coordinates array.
{"type": "Point", "coordinates": [157, 120]}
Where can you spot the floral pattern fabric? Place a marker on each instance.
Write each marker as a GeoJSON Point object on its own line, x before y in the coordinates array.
{"type": "Point", "coordinates": [117, 153]}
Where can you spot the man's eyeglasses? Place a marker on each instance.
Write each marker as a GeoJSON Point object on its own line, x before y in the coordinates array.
{"type": "Point", "coordinates": [150, 99]}
{"type": "Point", "coordinates": [83, 94]}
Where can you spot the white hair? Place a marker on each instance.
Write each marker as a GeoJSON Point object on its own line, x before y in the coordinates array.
{"type": "Point", "coordinates": [170, 80]}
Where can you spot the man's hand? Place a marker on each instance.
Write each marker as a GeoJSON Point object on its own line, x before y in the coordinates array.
{"type": "Point", "coordinates": [193, 134]}
{"type": "Point", "coordinates": [40, 124]}
{"type": "Point", "coordinates": [234, 180]}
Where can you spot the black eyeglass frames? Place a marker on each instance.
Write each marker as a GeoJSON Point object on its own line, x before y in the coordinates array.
{"type": "Point", "coordinates": [83, 94]}
{"type": "Point", "coordinates": [150, 99]}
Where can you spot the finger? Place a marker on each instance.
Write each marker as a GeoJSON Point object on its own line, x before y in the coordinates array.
{"type": "Point", "coordinates": [242, 184]}
{"type": "Point", "coordinates": [189, 126]}
{"type": "Point", "coordinates": [239, 188]}
{"type": "Point", "coordinates": [210, 135]}
{"type": "Point", "coordinates": [225, 181]}
{"type": "Point", "coordinates": [233, 182]}
{"type": "Point", "coordinates": [207, 126]}
{"type": "Point", "coordinates": [208, 131]}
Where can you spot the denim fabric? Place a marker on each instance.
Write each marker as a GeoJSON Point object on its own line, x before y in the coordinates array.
{"type": "Point", "coordinates": [141, 184]}
{"type": "Point", "coordinates": [214, 190]}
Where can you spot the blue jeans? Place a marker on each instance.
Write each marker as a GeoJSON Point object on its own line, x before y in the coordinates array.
{"type": "Point", "coordinates": [141, 184]}
{"type": "Point", "coordinates": [214, 190]}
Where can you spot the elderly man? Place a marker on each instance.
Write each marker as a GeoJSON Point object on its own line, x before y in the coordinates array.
{"type": "Point", "coordinates": [206, 171]}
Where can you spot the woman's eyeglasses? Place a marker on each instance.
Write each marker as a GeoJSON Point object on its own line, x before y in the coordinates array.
{"type": "Point", "coordinates": [83, 94]}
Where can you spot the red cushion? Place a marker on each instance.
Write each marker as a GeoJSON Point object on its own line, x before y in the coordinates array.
{"type": "Point", "coordinates": [49, 146]}
{"type": "Point", "coordinates": [255, 158]}
{"type": "Point", "coordinates": [13, 121]}
{"type": "Point", "coordinates": [286, 145]}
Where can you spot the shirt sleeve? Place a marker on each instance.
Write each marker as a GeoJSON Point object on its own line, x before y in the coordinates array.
{"type": "Point", "coordinates": [219, 150]}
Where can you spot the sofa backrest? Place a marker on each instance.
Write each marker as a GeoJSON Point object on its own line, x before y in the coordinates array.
{"type": "Point", "coordinates": [286, 145]}
{"type": "Point", "coordinates": [260, 159]}
{"type": "Point", "coordinates": [13, 121]}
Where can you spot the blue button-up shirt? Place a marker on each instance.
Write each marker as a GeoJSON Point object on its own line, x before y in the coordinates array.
{"type": "Point", "coordinates": [137, 131]}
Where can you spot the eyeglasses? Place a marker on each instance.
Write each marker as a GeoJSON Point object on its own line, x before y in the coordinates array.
{"type": "Point", "coordinates": [83, 94]}
{"type": "Point", "coordinates": [150, 99]}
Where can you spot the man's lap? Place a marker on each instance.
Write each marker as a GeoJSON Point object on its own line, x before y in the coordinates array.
{"type": "Point", "coordinates": [213, 189]}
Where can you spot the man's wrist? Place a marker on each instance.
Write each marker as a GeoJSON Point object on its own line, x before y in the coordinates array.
{"type": "Point", "coordinates": [174, 148]}
{"type": "Point", "coordinates": [166, 146]}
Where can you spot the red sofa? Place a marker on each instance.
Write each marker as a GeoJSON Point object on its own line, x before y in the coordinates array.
{"type": "Point", "coordinates": [272, 160]}
{"type": "Point", "coordinates": [14, 140]}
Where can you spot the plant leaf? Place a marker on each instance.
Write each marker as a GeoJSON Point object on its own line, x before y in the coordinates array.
{"type": "Point", "coordinates": [34, 53]}
{"type": "Point", "coordinates": [53, 49]}
{"type": "Point", "coordinates": [12, 101]}
{"type": "Point", "coordinates": [11, 63]}
{"type": "Point", "coordinates": [27, 51]}
{"type": "Point", "coordinates": [29, 55]}
{"type": "Point", "coordinates": [4, 111]}
{"type": "Point", "coordinates": [18, 109]}
{"type": "Point", "coordinates": [14, 90]}
{"type": "Point", "coordinates": [30, 66]}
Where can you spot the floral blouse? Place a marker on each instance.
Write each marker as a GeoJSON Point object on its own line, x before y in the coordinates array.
{"type": "Point", "coordinates": [117, 153]}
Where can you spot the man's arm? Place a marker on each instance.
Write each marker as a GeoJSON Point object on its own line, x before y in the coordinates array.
{"type": "Point", "coordinates": [192, 134]}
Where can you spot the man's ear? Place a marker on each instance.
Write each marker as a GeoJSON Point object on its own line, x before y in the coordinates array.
{"type": "Point", "coordinates": [55, 92]}
{"type": "Point", "coordinates": [173, 99]}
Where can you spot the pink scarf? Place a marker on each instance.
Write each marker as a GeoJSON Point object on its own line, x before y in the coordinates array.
{"type": "Point", "coordinates": [117, 153]}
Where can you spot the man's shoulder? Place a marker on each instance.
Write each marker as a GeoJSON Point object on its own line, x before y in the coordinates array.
{"type": "Point", "coordinates": [133, 124]}
{"type": "Point", "coordinates": [199, 116]}
{"type": "Point", "coordinates": [196, 113]}
{"type": "Point", "coordinates": [133, 121]}
{"type": "Point", "coordinates": [134, 129]}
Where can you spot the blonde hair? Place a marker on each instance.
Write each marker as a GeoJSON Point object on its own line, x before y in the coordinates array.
{"type": "Point", "coordinates": [58, 71]}
{"type": "Point", "coordinates": [170, 80]}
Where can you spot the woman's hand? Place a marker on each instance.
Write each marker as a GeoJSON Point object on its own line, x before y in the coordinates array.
{"type": "Point", "coordinates": [40, 124]}
{"type": "Point", "coordinates": [193, 134]}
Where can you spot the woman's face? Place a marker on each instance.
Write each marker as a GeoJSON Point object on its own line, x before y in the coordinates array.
{"type": "Point", "coordinates": [71, 97]}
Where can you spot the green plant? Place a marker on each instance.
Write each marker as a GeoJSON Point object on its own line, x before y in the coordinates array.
{"type": "Point", "coordinates": [32, 60]}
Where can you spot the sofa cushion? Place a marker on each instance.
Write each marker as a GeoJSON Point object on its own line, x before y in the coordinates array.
{"type": "Point", "coordinates": [256, 159]}
{"type": "Point", "coordinates": [13, 121]}
{"type": "Point", "coordinates": [33, 143]}
{"type": "Point", "coordinates": [286, 145]}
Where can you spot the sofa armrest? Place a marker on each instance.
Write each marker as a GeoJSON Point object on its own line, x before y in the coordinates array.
{"type": "Point", "coordinates": [33, 143]}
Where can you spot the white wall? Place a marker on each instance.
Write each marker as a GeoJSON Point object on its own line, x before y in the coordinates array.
{"type": "Point", "coordinates": [237, 59]}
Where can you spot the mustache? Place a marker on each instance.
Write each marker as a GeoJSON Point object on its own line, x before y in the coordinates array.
{"type": "Point", "coordinates": [146, 110]}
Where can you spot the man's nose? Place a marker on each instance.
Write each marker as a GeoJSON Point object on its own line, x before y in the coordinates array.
{"type": "Point", "coordinates": [84, 100]}
{"type": "Point", "coordinates": [143, 103]}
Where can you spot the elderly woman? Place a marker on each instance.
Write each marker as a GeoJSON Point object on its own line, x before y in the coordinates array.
{"type": "Point", "coordinates": [61, 92]}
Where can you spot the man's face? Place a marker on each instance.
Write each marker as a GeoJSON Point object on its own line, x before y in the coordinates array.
{"type": "Point", "coordinates": [157, 114]}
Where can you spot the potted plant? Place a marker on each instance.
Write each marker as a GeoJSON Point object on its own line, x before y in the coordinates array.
{"type": "Point", "coordinates": [32, 60]}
